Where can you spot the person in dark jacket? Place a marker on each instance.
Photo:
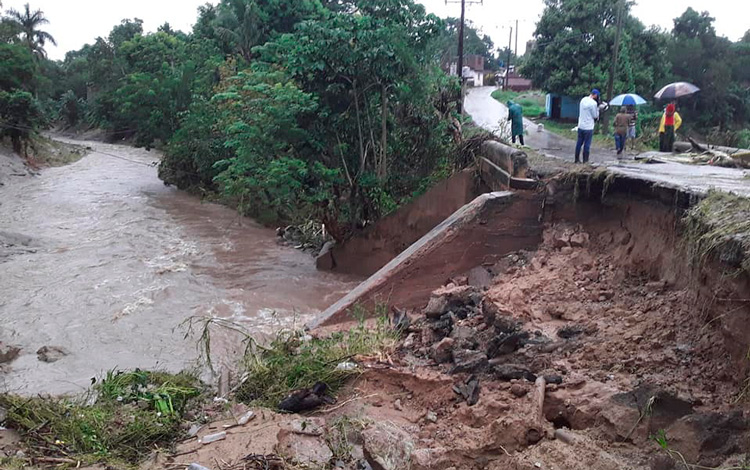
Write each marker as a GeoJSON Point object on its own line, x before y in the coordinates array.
{"type": "Point", "coordinates": [515, 115]}
{"type": "Point", "coordinates": [621, 129]}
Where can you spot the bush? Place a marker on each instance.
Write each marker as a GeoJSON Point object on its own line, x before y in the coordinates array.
{"type": "Point", "coordinates": [71, 109]}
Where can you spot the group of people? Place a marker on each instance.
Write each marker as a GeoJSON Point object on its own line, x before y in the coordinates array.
{"type": "Point", "coordinates": [624, 126]}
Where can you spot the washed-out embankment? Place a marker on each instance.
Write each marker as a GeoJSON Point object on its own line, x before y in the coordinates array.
{"type": "Point", "coordinates": [593, 282]}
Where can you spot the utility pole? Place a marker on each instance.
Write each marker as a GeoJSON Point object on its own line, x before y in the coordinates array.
{"type": "Point", "coordinates": [515, 52]}
{"type": "Point", "coordinates": [613, 66]}
{"type": "Point", "coordinates": [460, 64]}
{"type": "Point", "coordinates": [507, 69]}
{"type": "Point", "coordinates": [460, 68]}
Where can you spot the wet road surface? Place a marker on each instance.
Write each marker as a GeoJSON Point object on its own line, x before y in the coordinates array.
{"type": "Point", "coordinates": [111, 262]}
{"type": "Point", "coordinates": [489, 113]}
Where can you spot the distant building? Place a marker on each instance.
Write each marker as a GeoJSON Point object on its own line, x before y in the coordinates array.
{"type": "Point", "coordinates": [562, 107]}
{"type": "Point", "coordinates": [473, 70]}
{"type": "Point", "coordinates": [517, 82]}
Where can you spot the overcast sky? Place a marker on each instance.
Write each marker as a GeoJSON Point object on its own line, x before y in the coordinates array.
{"type": "Point", "coordinates": [77, 22]}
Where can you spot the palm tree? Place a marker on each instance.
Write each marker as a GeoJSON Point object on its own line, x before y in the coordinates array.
{"type": "Point", "coordinates": [27, 24]}
{"type": "Point", "coordinates": [238, 23]}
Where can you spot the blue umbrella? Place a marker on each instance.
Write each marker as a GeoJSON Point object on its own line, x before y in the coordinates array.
{"type": "Point", "coordinates": [627, 99]}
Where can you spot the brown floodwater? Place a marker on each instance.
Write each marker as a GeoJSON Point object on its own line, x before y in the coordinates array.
{"type": "Point", "coordinates": [113, 262]}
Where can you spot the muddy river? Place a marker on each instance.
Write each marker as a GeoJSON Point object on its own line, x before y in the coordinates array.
{"type": "Point", "coordinates": [107, 263]}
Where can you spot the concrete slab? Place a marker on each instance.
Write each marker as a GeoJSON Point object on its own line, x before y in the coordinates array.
{"type": "Point", "coordinates": [498, 223]}
{"type": "Point", "coordinates": [696, 179]}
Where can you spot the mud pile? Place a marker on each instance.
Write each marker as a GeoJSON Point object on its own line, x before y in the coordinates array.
{"type": "Point", "coordinates": [578, 355]}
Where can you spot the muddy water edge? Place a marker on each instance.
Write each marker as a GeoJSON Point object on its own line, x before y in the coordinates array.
{"type": "Point", "coordinates": [104, 262]}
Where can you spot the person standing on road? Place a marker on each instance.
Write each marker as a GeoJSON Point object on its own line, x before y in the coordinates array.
{"type": "Point", "coordinates": [631, 125]}
{"type": "Point", "coordinates": [621, 129]}
{"type": "Point", "coordinates": [587, 116]}
{"type": "Point", "coordinates": [670, 122]}
{"type": "Point", "coordinates": [515, 116]}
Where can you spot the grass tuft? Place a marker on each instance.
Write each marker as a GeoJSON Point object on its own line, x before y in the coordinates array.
{"type": "Point", "coordinates": [294, 360]}
{"type": "Point", "coordinates": [719, 226]}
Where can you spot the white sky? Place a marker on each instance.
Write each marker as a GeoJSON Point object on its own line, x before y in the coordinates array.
{"type": "Point", "coordinates": [77, 22]}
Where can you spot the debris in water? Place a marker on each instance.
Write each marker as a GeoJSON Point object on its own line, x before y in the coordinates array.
{"type": "Point", "coordinates": [51, 353]}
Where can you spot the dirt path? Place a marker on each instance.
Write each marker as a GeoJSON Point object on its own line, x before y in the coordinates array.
{"type": "Point", "coordinates": [102, 260]}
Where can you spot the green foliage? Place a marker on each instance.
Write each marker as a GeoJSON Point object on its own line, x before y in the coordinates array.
{"type": "Point", "coordinates": [25, 24]}
{"type": "Point", "coordinates": [574, 49]}
{"type": "Point", "coordinates": [19, 116]}
{"type": "Point", "coordinates": [533, 103]}
{"type": "Point", "coordinates": [17, 71]}
{"type": "Point", "coordinates": [133, 412]}
{"type": "Point", "coordinates": [338, 118]}
{"type": "Point", "coordinates": [293, 361]}
{"type": "Point", "coordinates": [71, 109]}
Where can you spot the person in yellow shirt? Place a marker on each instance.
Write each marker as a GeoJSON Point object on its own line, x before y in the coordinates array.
{"type": "Point", "coordinates": [670, 122]}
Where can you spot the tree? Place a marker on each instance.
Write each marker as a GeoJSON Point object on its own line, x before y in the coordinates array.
{"type": "Point", "coordinates": [700, 57]}
{"type": "Point", "coordinates": [17, 71]}
{"type": "Point", "coordinates": [27, 24]}
{"type": "Point", "coordinates": [573, 53]}
{"type": "Point", "coordinates": [20, 114]}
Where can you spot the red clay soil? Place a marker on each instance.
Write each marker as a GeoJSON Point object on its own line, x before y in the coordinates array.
{"type": "Point", "coordinates": [605, 313]}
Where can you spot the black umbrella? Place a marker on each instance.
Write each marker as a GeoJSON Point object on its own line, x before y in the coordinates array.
{"type": "Point", "coordinates": [676, 90]}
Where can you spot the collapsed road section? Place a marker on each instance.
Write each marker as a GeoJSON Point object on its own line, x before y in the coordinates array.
{"type": "Point", "coordinates": [601, 322]}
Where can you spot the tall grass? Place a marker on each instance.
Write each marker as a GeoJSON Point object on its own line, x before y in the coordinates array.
{"type": "Point", "coordinates": [293, 361]}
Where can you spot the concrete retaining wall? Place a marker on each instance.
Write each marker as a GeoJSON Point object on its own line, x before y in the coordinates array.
{"type": "Point", "coordinates": [375, 246]}
{"type": "Point", "coordinates": [481, 232]}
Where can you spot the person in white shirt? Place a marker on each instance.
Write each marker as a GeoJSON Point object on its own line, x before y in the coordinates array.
{"type": "Point", "coordinates": [587, 116]}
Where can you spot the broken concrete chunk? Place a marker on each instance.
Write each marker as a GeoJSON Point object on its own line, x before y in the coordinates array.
{"type": "Point", "coordinates": [436, 307]}
{"type": "Point", "coordinates": [466, 360]}
{"type": "Point", "coordinates": [442, 352]}
{"type": "Point", "coordinates": [386, 447]}
{"type": "Point", "coordinates": [303, 448]}
{"type": "Point", "coordinates": [510, 372]}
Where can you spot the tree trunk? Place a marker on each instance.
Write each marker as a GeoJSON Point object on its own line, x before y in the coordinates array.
{"type": "Point", "coordinates": [383, 164]}
{"type": "Point", "coordinates": [362, 156]}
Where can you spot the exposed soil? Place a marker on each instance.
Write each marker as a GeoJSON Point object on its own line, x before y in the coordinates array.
{"type": "Point", "coordinates": [608, 311]}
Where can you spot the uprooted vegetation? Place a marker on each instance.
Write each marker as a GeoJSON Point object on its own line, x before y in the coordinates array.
{"type": "Point", "coordinates": [295, 360]}
{"type": "Point", "coordinates": [124, 417]}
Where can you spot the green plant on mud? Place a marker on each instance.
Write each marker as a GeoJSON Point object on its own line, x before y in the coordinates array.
{"type": "Point", "coordinates": [719, 226]}
{"type": "Point", "coordinates": [122, 418]}
{"type": "Point", "coordinates": [341, 432]}
{"type": "Point", "coordinates": [660, 437]}
{"type": "Point", "coordinates": [295, 360]}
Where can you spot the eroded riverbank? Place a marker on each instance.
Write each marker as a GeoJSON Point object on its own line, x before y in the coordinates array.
{"type": "Point", "coordinates": [114, 262]}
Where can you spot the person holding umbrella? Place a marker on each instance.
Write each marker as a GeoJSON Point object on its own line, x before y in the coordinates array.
{"type": "Point", "coordinates": [631, 100]}
{"type": "Point", "coordinates": [670, 122]}
{"type": "Point", "coordinates": [621, 129]}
